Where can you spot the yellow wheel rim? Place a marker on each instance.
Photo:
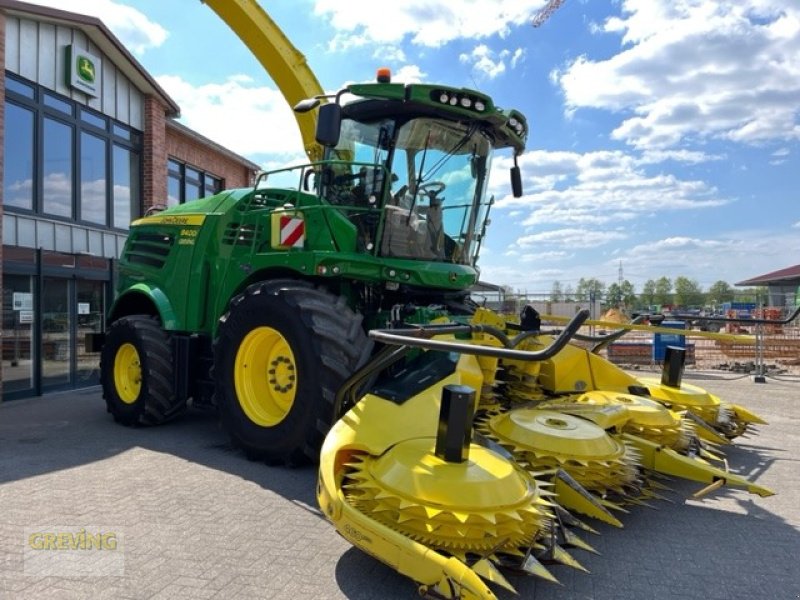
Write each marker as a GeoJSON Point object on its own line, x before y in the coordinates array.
{"type": "Point", "coordinates": [265, 376]}
{"type": "Point", "coordinates": [127, 373]}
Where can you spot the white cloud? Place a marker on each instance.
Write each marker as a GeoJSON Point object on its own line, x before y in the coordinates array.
{"type": "Point", "coordinates": [238, 113]}
{"type": "Point", "coordinates": [571, 237]}
{"type": "Point", "coordinates": [430, 23]}
{"type": "Point", "coordinates": [596, 188]}
{"type": "Point", "coordinates": [134, 29]}
{"type": "Point", "coordinates": [780, 156]}
{"type": "Point", "coordinates": [696, 69]}
{"type": "Point", "coordinates": [691, 157]}
{"type": "Point", "coordinates": [409, 74]}
{"type": "Point", "coordinates": [542, 257]}
{"type": "Point", "coordinates": [731, 256]}
{"type": "Point", "coordinates": [518, 57]}
{"type": "Point", "coordinates": [488, 63]}
{"type": "Point", "coordinates": [389, 54]}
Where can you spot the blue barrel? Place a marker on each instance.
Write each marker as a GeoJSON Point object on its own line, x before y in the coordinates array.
{"type": "Point", "coordinates": [662, 340]}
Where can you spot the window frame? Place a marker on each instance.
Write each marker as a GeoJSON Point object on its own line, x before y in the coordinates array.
{"type": "Point", "coordinates": [207, 183]}
{"type": "Point", "coordinates": [114, 133]}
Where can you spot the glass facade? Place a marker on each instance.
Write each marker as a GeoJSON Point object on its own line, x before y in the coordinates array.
{"type": "Point", "coordinates": [127, 190]}
{"type": "Point", "coordinates": [51, 300]}
{"type": "Point", "coordinates": [17, 336]}
{"type": "Point", "coordinates": [185, 183]}
{"type": "Point", "coordinates": [56, 326]}
{"type": "Point", "coordinates": [66, 161]}
{"type": "Point", "coordinates": [94, 167]}
{"type": "Point", "coordinates": [18, 153]}
{"type": "Point", "coordinates": [57, 168]}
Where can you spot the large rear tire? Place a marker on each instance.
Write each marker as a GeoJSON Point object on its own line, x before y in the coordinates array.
{"type": "Point", "coordinates": [282, 351]}
{"type": "Point", "coordinates": [136, 367]}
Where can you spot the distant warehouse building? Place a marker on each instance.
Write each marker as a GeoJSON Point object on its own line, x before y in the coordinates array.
{"type": "Point", "coordinates": [783, 286]}
{"type": "Point", "coordinates": [89, 143]}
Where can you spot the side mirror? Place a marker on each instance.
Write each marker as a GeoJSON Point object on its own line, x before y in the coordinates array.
{"type": "Point", "coordinates": [516, 182]}
{"type": "Point", "coordinates": [328, 124]}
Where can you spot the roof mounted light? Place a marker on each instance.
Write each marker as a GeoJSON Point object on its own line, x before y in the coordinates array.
{"type": "Point", "coordinates": [384, 75]}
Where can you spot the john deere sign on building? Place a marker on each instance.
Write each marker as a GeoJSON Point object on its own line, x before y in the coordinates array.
{"type": "Point", "coordinates": [83, 70]}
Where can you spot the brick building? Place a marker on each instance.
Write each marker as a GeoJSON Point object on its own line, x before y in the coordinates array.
{"type": "Point", "coordinates": [89, 143]}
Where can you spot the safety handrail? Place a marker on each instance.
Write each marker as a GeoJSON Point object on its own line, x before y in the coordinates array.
{"type": "Point", "coordinates": [421, 338]}
{"type": "Point", "coordinates": [785, 321]}
{"type": "Point", "coordinates": [604, 340]}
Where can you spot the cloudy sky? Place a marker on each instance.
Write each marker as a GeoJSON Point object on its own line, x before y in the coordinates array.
{"type": "Point", "coordinates": [665, 134]}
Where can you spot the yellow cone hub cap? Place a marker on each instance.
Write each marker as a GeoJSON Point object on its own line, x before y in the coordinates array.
{"type": "Point", "coordinates": [544, 440]}
{"type": "Point", "coordinates": [265, 376]}
{"type": "Point", "coordinates": [483, 504]}
{"type": "Point", "coordinates": [127, 373]}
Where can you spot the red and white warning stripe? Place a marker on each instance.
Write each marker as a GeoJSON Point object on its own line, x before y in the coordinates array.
{"type": "Point", "coordinates": [293, 231]}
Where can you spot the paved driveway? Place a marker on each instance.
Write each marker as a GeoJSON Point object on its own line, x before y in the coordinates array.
{"type": "Point", "coordinates": [195, 519]}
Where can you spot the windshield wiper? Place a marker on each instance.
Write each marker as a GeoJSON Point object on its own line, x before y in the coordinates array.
{"type": "Point", "coordinates": [438, 165]}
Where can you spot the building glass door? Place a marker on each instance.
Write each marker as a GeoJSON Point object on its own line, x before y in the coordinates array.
{"type": "Point", "coordinates": [56, 329]}
{"type": "Point", "coordinates": [17, 339]}
{"type": "Point", "coordinates": [90, 311]}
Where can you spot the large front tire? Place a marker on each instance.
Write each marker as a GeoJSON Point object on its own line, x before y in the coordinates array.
{"type": "Point", "coordinates": [283, 350]}
{"type": "Point", "coordinates": [136, 367]}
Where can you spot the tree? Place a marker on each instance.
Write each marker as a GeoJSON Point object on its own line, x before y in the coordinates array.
{"type": "Point", "coordinates": [628, 293]}
{"type": "Point", "coordinates": [587, 288]}
{"type": "Point", "coordinates": [663, 291]}
{"type": "Point", "coordinates": [688, 292]}
{"type": "Point", "coordinates": [556, 295]}
{"type": "Point", "coordinates": [614, 295]}
{"type": "Point", "coordinates": [719, 292]}
{"type": "Point", "coordinates": [569, 294]}
{"type": "Point", "coordinates": [621, 294]}
{"type": "Point", "coordinates": [649, 292]}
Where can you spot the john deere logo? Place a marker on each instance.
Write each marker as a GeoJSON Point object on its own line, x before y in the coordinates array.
{"type": "Point", "coordinates": [85, 69]}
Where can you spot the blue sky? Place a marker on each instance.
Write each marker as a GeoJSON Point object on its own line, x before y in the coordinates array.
{"type": "Point", "coordinates": [664, 133]}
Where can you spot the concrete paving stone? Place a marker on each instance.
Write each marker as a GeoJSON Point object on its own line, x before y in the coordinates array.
{"type": "Point", "coordinates": [198, 520]}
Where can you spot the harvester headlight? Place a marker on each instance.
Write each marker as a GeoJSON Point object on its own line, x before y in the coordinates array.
{"type": "Point", "coordinates": [513, 122]}
{"type": "Point", "coordinates": [453, 101]}
{"type": "Point", "coordinates": [444, 98]}
{"type": "Point", "coordinates": [480, 106]}
{"type": "Point", "coordinates": [322, 270]}
{"type": "Point", "coordinates": [466, 102]}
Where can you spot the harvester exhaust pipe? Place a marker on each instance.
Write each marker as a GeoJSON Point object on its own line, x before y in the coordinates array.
{"type": "Point", "coordinates": [674, 363]}
{"type": "Point", "coordinates": [454, 432]}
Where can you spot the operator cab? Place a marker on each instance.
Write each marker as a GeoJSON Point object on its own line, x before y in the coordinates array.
{"type": "Point", "coordinates": [410, 174]}
{"type": "Point", "coordinates": [427, 174]}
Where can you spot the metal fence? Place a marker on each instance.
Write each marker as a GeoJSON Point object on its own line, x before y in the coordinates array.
{"type": "Point", "coordinates": [736, 346]}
